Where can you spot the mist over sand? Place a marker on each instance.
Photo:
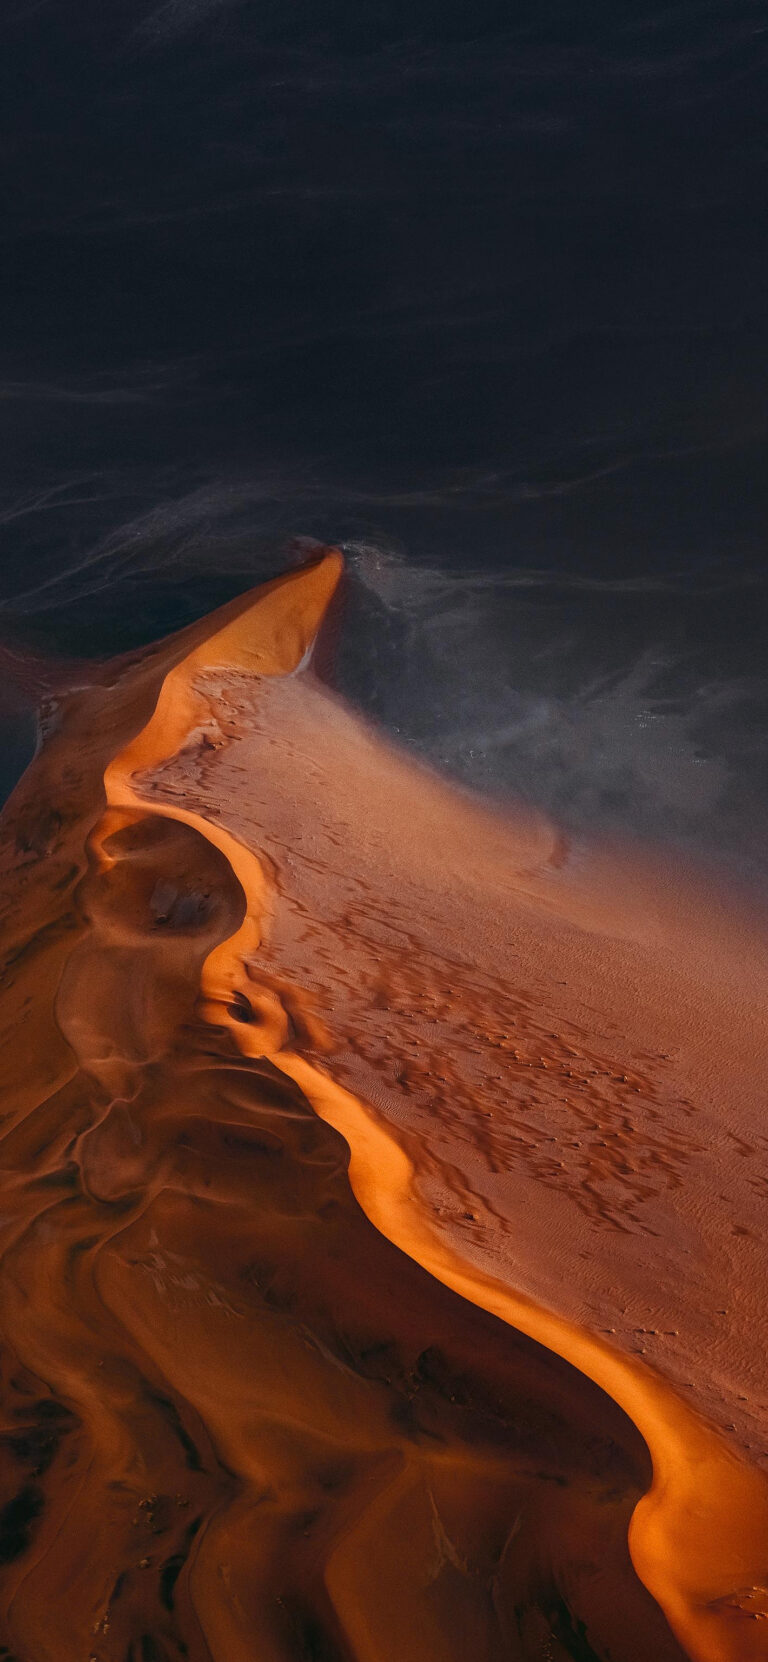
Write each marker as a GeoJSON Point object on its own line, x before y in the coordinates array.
{"type": "Point", "coordinates": [383, 1260]}
{"type": "Point", "coordinates": [630, 705]}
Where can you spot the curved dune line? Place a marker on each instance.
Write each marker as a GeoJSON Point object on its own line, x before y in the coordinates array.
{"type": "Point", "coordinates": [271, 637]}
{"type": "Point", "coordinates": [699, 1537]}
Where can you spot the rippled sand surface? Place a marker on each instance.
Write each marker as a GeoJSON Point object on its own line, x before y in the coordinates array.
{"type": "Point", "coordinates": [383, 1270]}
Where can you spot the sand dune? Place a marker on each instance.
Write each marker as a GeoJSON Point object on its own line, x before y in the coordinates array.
{"type": "Point", "coordinates": [383, 1185]}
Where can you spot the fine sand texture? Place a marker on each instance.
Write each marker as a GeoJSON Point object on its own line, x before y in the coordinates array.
{"type": "Point", "coordinates": [383, 1196]}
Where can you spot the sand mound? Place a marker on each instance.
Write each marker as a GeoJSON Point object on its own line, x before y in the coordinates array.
{"type": "Point", "coordinates": [382, 1262]}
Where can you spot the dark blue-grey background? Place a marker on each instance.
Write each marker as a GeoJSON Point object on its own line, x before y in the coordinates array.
{"type": "Point", "coordinates": [480, 291]}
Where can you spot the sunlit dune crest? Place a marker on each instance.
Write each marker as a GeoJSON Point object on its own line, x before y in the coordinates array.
{"type": "Point", "coordinates": [383, 1254]}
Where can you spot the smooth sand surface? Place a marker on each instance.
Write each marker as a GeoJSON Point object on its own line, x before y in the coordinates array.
{"type": "Point", "coordinates": [383, 1258]}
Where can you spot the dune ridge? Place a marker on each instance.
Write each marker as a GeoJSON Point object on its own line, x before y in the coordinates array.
{"type": "Point", "coordinates": [173, 985]}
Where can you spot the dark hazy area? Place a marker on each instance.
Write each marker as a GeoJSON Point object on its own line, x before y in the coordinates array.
{"type": "Point", "coordinates": [479, 291]}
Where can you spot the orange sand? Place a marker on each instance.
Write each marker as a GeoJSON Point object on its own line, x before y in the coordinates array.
{"type": "Point", "coordinates": [250, 1425]}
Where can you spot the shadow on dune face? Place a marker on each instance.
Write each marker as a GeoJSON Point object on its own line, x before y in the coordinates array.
{"type": "Point", "coordinates": [241, 1422]}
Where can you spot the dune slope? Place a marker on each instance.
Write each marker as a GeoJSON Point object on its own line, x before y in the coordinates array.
{"type": "Point", "coordinates": [382, 1266]}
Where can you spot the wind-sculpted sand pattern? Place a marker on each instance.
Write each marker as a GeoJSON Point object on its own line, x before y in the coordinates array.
{"type": "Point", "coordinates": [349, 1134]}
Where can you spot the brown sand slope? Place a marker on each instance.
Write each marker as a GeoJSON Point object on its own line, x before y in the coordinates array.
{"type": "Point", "coordinates": [382, 1181]}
